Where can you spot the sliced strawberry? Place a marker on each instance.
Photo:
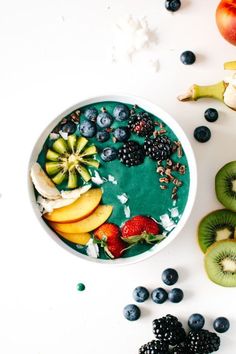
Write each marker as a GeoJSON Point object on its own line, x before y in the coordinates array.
{"type": "Point", "coordinates": [110, 236]}
{"type": "Point", "coordinates": [115, 247]}
{"type": "Point", "coordinates": [106, 231]}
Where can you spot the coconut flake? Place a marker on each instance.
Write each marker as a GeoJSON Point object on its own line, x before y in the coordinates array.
{"type": "Point", "coordinates": [167, 223]}
{"type": "Point", "coordinates": [97, 179]}
{"type": "Point", "coordinates": [64, 135]}
{"type": "Point", "coordinates": [174, 212]}
{"type": "Point", "coordinates": [127, 211]}
{"type": "Point", "coordinates": [92, 249]}
{"type": "Point", "coordinates": [112, 179]}
{"type": "Point", "coordinates": [54, 136]}
{"type": "Point", "coordinates": [123, 198]}
{"type": "Point", "coordinates": [44, 205]}
{"type": "Point", "coordinates": [75, 193]}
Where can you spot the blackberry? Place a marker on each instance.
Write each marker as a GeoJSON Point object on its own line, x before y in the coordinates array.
{"type": "Point", "coordinates": [154, 347]}
{"type": "Point", "coordinates": [202, 342]}
{"type": "Point", "coordinates": [180, 349]}
{"type": "Point", "coordinates": [159, 148]}
{"type": "Point", "coordinates": [141, 124]}
{"type": "Point", "coordinates": [169, 329]}
{"type": "Point", "coordinates": [131, 153]}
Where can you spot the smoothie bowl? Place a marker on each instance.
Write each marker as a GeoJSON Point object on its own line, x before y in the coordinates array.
{"type": "Point", "coordinates": [113, 179]}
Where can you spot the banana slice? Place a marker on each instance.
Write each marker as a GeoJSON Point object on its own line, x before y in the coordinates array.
{"type": "Point", "coordinates": [43, 183]}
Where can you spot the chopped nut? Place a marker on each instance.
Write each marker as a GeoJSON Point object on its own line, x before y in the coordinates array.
{"type": "Point", "coordinates": [162, 131]}
{"type": "Point", "coordinates": [174, 190]}
{"type": "Point", "coordinates": [168, 173]}
{"type": "Point", "coordinates": [174, 148]}
{"type": "Point", "coordinates": [161, 170]}
{"type": "Point", "coordinates": [163, 186]}
{"type": "Point", "coordinates": [182, 169]}
{"type": "Point", "coordinates": [135, 106]}
{"type": "Point", "coordinates": [176, 166]}
{"type": "Point", "coordinates": [155, 133]}
{"type": "Point", "coordinates": [169, 162]}
{"type": "Point", "coordinates": [103, 109]}
{"type": "Point", "coordinates": [114, 139]}
{"type": "Point", "coordinates": [164, 180]}
{"type": "Point", "coordinates": [159, 163]}
{"type": "Point", "coordinates": [177, 182]}
{"type": "Point", "coordinates": [77, 112]}
{"type": "Point", "coordinates": [179, 151]}
{"type": "Point", "coordinates": [174, 196]}
{"type": "Point", "coordinates": [74, 117]}
{"type": "Point", "coordinates": [156, 123]}
{"type": "Point", "coordinates": [64, 121]}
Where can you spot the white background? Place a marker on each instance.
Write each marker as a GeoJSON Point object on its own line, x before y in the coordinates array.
{"type": "Point", "coordinates": [53, 54]}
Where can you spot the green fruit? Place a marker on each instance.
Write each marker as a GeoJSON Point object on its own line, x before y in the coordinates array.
{"type": "Point", "coordinates": [72, 142]}
{"type": "Point", "coordinates": [60, 146]}
{"type": "Point", "coordinates": [53, 168]}
{"type": "Point", "coordinates": [72, 180]}
{"type": "Point", "coordinates": [91, 150]}
{"type": "Point", "coordinates": [83, 172]}
{"type": "Point", "coordinates": [90, 162]}
{"type": "Point", "coordinates": [52, 155]}
{"type": "Point", "coordinates": [59, 178]}
{"type": "Point", "coordinates": [220, 263]}
{"type": "Point", "coordinates": [81, 143]}
{"type": "Point", "coordinates": [216, 226]}
{"type": "Point", "coordinates": [225, 185]}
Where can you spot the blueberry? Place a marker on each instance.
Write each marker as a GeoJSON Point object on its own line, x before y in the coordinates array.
{"type": "Point", "coordinates": [108, 154]}
{"type": "Point", "coordinates": [132, 312]}
{"type": "Point", "coordinates": [188, 57]}
{"type": "Point", "coordinates": [102, 136]}
{"type": "Point", "coordinates": [202, 134]}
{"type": "Point", "coordinates": [221, 325]}
{"type": "Point", "coordinates": [88, 129]}
{"type": "Point", "coordinates": [176, 295]}
{"type": "Point", "coordinates": [121, 134]}
{"type": "Point", "coordinates": [159, 295]}
{"type": "Point", "coordinates": [196, 321]}
{"type": "Point", "coordinates": [121, 112]}
{"type": "Point", "coordinates": [173, 5]}
{"type": "Point", "coordinates": [69, 127]}
{"type": "Point", "coordinates": [211, 115]}
{"type": "Point", "coordinates": [104, 120]}
{"type": "Point", "coordinates": [140, 294]}
{"type": "Point", "coordinates": [91, 114]}
{"type": "Point", "coordinates": [170, 276]}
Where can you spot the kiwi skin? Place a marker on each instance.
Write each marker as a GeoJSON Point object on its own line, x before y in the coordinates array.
{"type": "Point", "coordinates": [216, 275]}
{"type": "Point", "coordinates": [207, 229]}
{"type": "Point", "coordinates": [223, 185]}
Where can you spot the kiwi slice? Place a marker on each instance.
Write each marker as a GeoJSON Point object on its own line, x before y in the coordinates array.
{"type": "Point", "coordinates": [216, 226]}
{"type": "Point", "coordinates": [225, 185]}
{"type": "Point", "coordinates": [220, 263]}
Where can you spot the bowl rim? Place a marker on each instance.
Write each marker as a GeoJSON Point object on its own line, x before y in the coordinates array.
{"type": "Point", "coordinates": [177, 129]}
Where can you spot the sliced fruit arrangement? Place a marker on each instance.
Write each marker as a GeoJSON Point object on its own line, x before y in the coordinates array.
{"type": "Point", "coordinates": [110, 236]}
{"type": "Point", "coordinates": [66, 160]}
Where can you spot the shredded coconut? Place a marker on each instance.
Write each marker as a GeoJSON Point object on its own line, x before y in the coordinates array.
{"type": "Point", "coordinates": [63, 135]}
{"type": "Point", "coordinates": [54, 136]}
{"type": "Point", "coordinates": [127, 211]}
{"type": "Point", "coordinates": [174, 212]}
{"type": "Point", "coordinates": [112, 179]}
{"type": "Point", "coordinates": [92, 249]}
{"type": "Point", "coordinates": [97, 179]}
{"type": "Point", "coordinates": [167, 223]}
{"type": "Point", "coordinates": [123, 198]}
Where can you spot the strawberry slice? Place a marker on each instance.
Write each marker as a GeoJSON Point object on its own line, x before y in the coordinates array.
{"type": "Point", "coordinates": [141, 228]}
{"type": "Point", "coordinates": [110, 238]}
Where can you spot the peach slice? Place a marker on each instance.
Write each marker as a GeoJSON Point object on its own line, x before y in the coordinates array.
{"type": "Point", "coordinates": [78, 210]}
{"type": "Point", "coordinates": [93, 221]}
{"type": "Point", "coordinates": [81, 239]}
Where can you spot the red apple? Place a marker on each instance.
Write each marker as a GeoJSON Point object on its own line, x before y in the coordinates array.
{"type": "Point", "coordinates": [226, 20]}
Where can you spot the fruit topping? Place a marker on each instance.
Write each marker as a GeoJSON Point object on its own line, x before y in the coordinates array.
{"type": "Point", "coordinates": [140, 294]}
{"type": "Point", "coordinates": [180, 349]}
{"type": "Point", "coordinates": [225, 185]}
{"type": "Point", "coordinates": [132, 312]}
{"type": "Point", "coordinates": [121, 134]}
{"type": "Point", "coordinates": [108, 154]}
{"type": "Point", "coordinates": [121, 112]}
{"type": "Point", "coordinates": [216, 226]}
{"type": "Point", "coordinates": [141, 124]}
{"type": "Point", "coordinates": [110, 236]}
{"type": "Point", "coordinates": [159, 148]}
{"type": "Point", "coordinates": [202, 134]}
{"type": "Point", "coordinates": [104, 120]}
{"type": "Point", "coordinates": [131, 153]}
{"type": "Point", "coordinates": [91, 114]}
{"type": "Point", "coordinates": [211, 115]}
{"type": "Point", "coordinates": [196, 322]}
{"type": "Point", "coordinates": [43, 183]}
{"type": "Point", "coordinates": [188, 57]}
{"type": "Point", "coordinates": [202, 342]}
{"type": "Point", "coordinates": [220, 263]}
{"type": "Point", "coordinates": [176, 295]}
{"type": "Point", "coordinates": [159, 295]}
{"type": "Point", "coordinates": [141, 228]}
{"type": "Point", "coordinates": [88, 129]}
{"type": "Point", "coordinates": [221, 325]}
{"type": "Point", "coordinates": [168, 329]}
{"type": "Point", "coordinates": [66, 160]}
{"type": "Point", "coordinates": [173, 5]}
{"type": "Point", "coordinates": [69, 127]}
{"type": "Point", "coordinates": [170, 276]}
{"type": "Point", "coordinates": [154, 347]}
{"type": "Point", "coordinates": [102, 136]}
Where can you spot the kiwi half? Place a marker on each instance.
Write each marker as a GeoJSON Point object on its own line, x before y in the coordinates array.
{"type": "Point", "coordinates": [220, 263]}
{"type": "Point", "coordinates": [216, 226]}
{"type": "Point", "coordinates": [225, 185]}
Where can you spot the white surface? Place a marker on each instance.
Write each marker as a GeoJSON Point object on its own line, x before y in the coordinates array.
{"type": "Point", "coordinates": [53, 54]}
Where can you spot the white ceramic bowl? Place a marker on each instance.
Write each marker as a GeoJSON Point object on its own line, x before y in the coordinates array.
{"type": "Point", "coordinates": [155, 110]}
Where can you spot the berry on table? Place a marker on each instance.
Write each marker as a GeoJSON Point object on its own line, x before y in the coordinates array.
{"type": "Point", "coordinates": [188, 57]}
{"type": "Point", "coordinates": [141, 124]}
{"type": "Point", "coordinates": [104, 120]}
{"type": "Point", "coordinates": [173, 5]}
{"type": "Point", "coordinates": [196, 321]}
{"type": "Point", "coordinates": [176, 295]}
{"type": "Point", "coordinates": [70, 127]}
{"type": "Point", "coordinates": [202, 134]}
{"type": "Point", "coordinates": [159, 295]}
{"type": "Point", "coordinates": [131, 153]}
{"type": "Point", "coordinates": [88, 129]}
{"type": "Point", "coordinates": [154, 347]}
{"type": "Point", "coordinates": [221, 325]}
{"type": "Point", "coordinates": [91, 114]}
{"type": "Point", "coordinates": [211, 115]}
{"type": "Point", "coordinates": [132, 312]}
{"type": "Point", "coordinates": [102, 136]}
{"type": "Point", "coordinates": [121, 112]}
{"type": "Point", "coordinates": [168, 329]}
{"type": "Point", "coordinates": [140, 294]}
{"type": "Point", "coordinates": [108, 154]}
{"type": "Point", "coordinates": [170, 276]}
{"type": "Point", "coordinates": [159, 148]}
{"type": "Point", "coordinates": [121, 134]}
{"type": "Point", "coordinates": [202, 341]}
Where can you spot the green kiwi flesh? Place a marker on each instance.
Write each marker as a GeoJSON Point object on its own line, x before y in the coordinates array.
{"type": "Point", "coordinates": [220, 263]}
{"type": "Point", "coordinates": [225, 185]}
{"type": "Point", "coordinates": [216, 226]}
